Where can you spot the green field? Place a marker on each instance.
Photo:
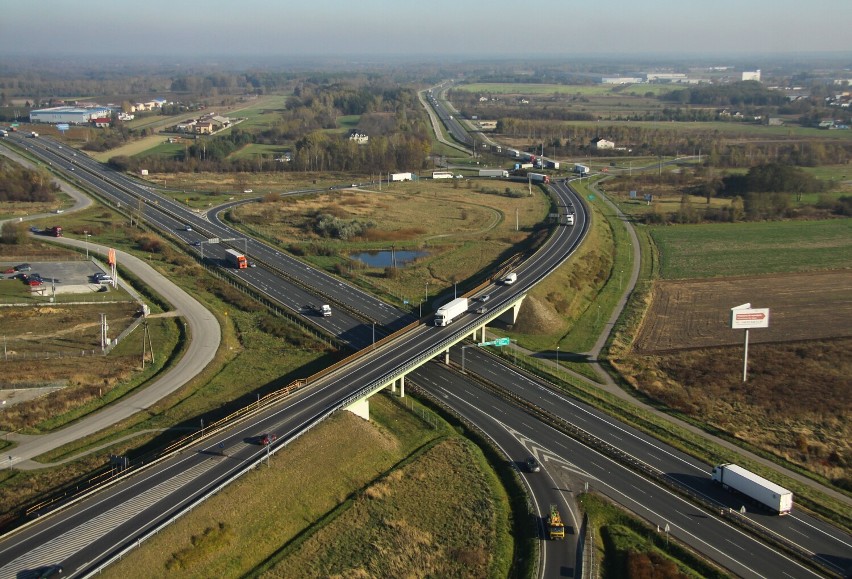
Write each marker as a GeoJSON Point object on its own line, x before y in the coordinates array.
{"type": "Point", "coordinates": [549, 89]}
{"type": "Point", "coordinates": [721, 250]}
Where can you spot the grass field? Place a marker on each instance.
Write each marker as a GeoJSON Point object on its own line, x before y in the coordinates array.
{"type": "Point", "coordinates": [471, 227]}
{"type": "Point", "coordinates": [340, 481]}
{"type": "Point", "coordinates": [696, 251]}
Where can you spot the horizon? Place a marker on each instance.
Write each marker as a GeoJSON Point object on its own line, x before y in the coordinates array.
{"type": "Point", "coordinates": [372, 29]}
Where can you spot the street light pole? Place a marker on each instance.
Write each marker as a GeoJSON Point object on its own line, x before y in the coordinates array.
{"type": "Point", "coordinates": [427, 292]}
{"type": "Point", "coordinates": [86, 233]}
{"type": "Point", "coordinates": [557, 358]}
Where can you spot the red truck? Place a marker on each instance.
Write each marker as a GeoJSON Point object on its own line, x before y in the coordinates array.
{"type": "Point", "coordinates": [54, 231]}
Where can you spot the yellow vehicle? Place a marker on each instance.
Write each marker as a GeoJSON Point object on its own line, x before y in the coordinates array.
{"type": "Point", "coordinates": [555, 527]}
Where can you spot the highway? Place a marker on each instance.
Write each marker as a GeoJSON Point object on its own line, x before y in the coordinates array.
{"type": "Point", "coordinates": [425, 339]}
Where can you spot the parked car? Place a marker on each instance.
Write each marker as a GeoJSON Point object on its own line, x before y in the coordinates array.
{"type": "Point", "coordinates": [23, 267]}
{"type": "Point", "coordinates": [532, 465]}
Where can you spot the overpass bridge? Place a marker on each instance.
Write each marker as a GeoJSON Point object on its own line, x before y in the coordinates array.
{"type": "Point", "coordinates": [505, 311]}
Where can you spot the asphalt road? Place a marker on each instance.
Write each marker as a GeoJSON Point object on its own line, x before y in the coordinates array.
{"type": "Point", "coordinates": [532, 272]}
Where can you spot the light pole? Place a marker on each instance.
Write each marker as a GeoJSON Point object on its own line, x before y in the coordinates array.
{"type": "Point", "coordinates": [86, 233]}
{"type": "Point", "coordinates": [455, 289]}
{"type": "Point", "coordinates": [463, 349]}
{"type": "Point", "coordinates": [557, 358]}
{"type": "Point", "coordinates": [427, 292]}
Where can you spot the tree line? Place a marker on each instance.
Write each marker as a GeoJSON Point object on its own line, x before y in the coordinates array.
{"type": "Point", "coordinates": [20, 184]}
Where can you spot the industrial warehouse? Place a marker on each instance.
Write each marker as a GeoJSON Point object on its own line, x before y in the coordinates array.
{"type": "Point", "coordinates": [70, 115]}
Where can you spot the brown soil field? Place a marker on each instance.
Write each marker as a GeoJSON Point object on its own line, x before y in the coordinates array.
{"type": "Point", "coordinates": [797, 401]}
{"type": "Point", "coordinates": [696, 313]}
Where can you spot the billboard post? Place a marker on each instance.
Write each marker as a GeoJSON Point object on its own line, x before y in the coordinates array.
{"type": "Point", "coordinates": [744, 317]}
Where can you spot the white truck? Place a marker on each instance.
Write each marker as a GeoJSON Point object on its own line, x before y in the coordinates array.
{"type": "Point", "coordinates": [33, 134]}
{"type": "Point", "coordinates": [450, 311]}
{"type": "Point", "coordinates": [494, 173]}
{"type": "Point", "coordinates": [325, 310]}
{"type": "Point", "coordinates": [755, 487]}
{"type": "Point", "coordinates": [401, 177]}
{"type": "Point", "coordinates": [581, 169]}
{"type": "Point", "coordinates": [569, 219]}
{"type": "Point", "coordinates": [510, 279]}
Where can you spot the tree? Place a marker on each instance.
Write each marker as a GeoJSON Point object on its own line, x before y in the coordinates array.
{"type": "Point", "coordinates": [14, 233]}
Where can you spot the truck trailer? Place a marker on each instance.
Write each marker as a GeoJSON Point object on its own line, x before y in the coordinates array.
{"type": "Point", "coordinates": [581, 169]}
{"type": "Point", "coordinates": [493, 173]}
{"type": "Point", "coordinates": [236, 259]}
{"type": "Point", "coordinates": [510, 279]}
{"type": "Point", "coordinates": [538, 178]}
{"type": "Point", "coordinates": [450, 311]}
{"type": "Point", "coordinates": [755, 487]}
{"type": "Point", "coordinates": [555, 526]}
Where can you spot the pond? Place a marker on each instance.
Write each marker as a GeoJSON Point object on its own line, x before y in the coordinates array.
{"type": "Point", "coordinates": [385, 258]}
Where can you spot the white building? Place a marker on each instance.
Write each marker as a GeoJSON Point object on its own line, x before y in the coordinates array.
{"type": "Point", "coordinates": [600, 143]}
{"type": "Point", "coordinates": [70, 115]}
{"type": "Point", "coordinates": [751, 75]}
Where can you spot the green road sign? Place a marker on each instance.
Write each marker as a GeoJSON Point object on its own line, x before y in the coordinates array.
{"type": "Point", "coordinates": [497, 342]}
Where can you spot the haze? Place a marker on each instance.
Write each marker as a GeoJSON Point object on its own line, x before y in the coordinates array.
{"type": "Point", "coordinates": [398, 28]}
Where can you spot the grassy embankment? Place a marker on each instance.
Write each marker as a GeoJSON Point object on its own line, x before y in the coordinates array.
{"type": "Point", "coordinates": [350, 497]}
{"type": "Point", "coordinates": [629, 547]}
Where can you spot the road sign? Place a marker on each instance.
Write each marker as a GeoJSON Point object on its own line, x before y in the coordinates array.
{"type": "Point", "coordinates": [62, 127]}
{"type": "Point", "coordinates": [497, 342]}
{"type": "Point", "coordinates": [213, 240]}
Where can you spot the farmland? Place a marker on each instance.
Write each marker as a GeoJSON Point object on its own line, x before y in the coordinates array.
{"type": "Point", "coordinates": [717, 250]}
{"type": "Point", "coordinates": [696, 313]}
{"type": "Point", "coordinates": [686, 356]}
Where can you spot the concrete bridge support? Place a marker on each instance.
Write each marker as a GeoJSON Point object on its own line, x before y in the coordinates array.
{"type": "Point", "coordinates": [510, 316]}
{"type": "Point", "coordinates": [360, 408]}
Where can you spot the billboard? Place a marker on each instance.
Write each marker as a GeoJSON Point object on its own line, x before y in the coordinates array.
{"type": "Point", "coordinates": [745, 317]}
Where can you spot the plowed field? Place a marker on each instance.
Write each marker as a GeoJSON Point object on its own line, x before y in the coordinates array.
{"type": "Point", "coordinates": [696, 313]}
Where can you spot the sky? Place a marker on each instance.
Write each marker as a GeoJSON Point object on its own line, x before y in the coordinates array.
{"type": "Point", "coordinates": [476, 28]}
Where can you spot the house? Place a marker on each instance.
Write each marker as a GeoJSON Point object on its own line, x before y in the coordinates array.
{"type": "Point", "coordinates": [101, 122]}
{"type": "Point", "coordinates": [224, 122]}
{"type": "Point", "coordinates": [358, 136]}
{"type": "Point", "coordinates": [600, 143]}
{"type": "Point", "coordinates": [204, 128]}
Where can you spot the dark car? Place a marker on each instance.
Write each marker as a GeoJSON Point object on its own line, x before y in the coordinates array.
{"type": "Point", "coordinates": [48, 571]}
{"type": "Point", "coordinates": [23, 267]}
{"type": "Point", "coordinates": [532, 465]}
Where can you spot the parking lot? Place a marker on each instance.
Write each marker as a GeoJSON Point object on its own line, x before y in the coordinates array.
{"type": "Point", "coordinates": [61, 276]}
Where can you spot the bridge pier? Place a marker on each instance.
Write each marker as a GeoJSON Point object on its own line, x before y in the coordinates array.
{"type": "Point", "coordinates": [392, 386]}
{"type": "Point", "coordinates": [360, 408]}
{"type": "Point", "coordinates": [510, 316]}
